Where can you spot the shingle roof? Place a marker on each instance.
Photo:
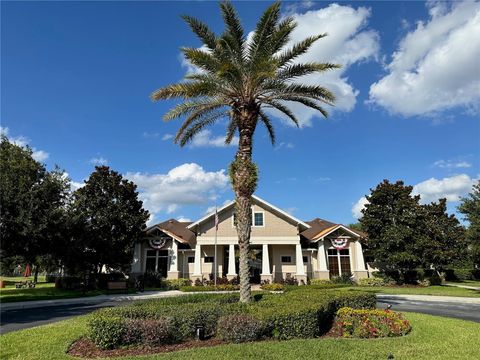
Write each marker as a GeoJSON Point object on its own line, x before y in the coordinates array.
{"type": "Point", "coordinates": [177, 229]}
{"type": "Point", "coordinates": [321, 226]}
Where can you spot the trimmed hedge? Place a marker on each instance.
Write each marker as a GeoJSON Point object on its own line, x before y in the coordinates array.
{"type": "Point", "coordinates": [302, 313]}
{"type": "Point", "coordinates": [373, 281]}
{"type": "Point", "coordinates": [273, 287]}
{"type": "Point", "coordinates": [201, 288]}
{"type": "Point", "coordinates": [370, 323]}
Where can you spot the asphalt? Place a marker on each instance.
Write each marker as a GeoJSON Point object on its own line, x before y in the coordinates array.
{"type": "Point", "coordinates": [20, 317]}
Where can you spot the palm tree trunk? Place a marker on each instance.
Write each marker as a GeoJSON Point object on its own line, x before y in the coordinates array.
{"type": "Point", "coordinates": [244, 180]}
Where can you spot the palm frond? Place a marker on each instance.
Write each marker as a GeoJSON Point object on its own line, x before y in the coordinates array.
{"type": "Point", "coordinates": [309, 103]}
{"type": "Point", "coordinates": [231, 128]}
{"type": "Point", "coordinates": [198, 116]}
{"type": "Point", "coordinates": [202, 31]}
{"type": "Point", "coordinates": [268, 124]}
{"type": "Point", "coordinates": [201, 59]}
{"type": "Point", "coordinates": [311, 91]}
{"type": "Point", "coordinates": [283, 109]}
{"type": "Point", "coordinates": [265, 27]}
{"type": "Point", "coordinates": [297, 70]}
{"type": "Point", "coordinates": [281, 35]}
{"type": "Point", "coordinates": [297, 49]}
{"type": "Point", "coordinates": [186, 90]}
{"type": "Point", "coordinates": [234, 26]}
{"type": "Point", "coordinates": [188, 134]}
{"type": "Point", "coordinates": [186, 108]}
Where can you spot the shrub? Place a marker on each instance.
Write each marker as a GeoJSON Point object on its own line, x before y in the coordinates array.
{"type": "Point", "coordinates": [289, 281]}
{"type": "Point", "coordinates": [153, 279]}
{"type": "Point", "coordinates": [370, 323]}
{"type": "Point", "coordinates": [240, 328]}
{"type": "Point", "coordinates": [106, 331]}
{"type": "Point", "coordinates": [372, 282]}
{"type": "Point", "coordinates": [435, 280]}
{"type": "Point", "coordinates": [68, 283]}
{"type": "Point", "coordinates": [273, 287]}
{"type": "Point", "coordinates": [344, 279]}
{"type": "Point", "coordinates": [176, 284]}
{"type": "Point", "coordinates": [201, 288]}
{"type": "Point", "coordinates": [320, 282]}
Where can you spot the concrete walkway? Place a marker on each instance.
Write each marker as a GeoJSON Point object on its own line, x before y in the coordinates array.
{"type": "Point", "coordinates": [91, 300]}
{"type": "Point", "coordinates": [464, 286]}
{"type": "Point", "coordinates": [431, 298]}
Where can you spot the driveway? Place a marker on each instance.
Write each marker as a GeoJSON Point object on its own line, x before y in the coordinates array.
{"type": "Point", "coordinates": [23, 318]}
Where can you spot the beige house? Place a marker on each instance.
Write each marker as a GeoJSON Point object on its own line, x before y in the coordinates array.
{"type": "Point", "coordinates": [282, 246]}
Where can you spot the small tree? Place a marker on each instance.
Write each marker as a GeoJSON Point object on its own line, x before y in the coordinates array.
{"type": "Point", "coordinates": [108, 219]}
{"type": "Point", "coordinates": [470, 207]}
{"type": "Point", "coordinates": [392, 219]}
{"type": "Point", "coordinates": [32, 204]}
{"type": "Point", "coordinates": [442, 241]}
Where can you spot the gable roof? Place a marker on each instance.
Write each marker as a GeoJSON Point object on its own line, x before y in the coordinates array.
{"type": "Point", "coordinates": [176, 229]}
{"type": "Point", "coordinates": [321, 228]}
{"type": "Point", "coordinates": [258, 200]}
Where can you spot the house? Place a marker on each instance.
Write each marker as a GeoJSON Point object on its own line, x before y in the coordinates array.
{"type": "Point", "coordinates": [282, 246]}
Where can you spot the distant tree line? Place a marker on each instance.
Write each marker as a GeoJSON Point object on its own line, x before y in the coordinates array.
{"type": "Point", "coordinates": [45, 224]}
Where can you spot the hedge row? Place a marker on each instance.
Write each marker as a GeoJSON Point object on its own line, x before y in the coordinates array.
{"type": "Point", "coordinates": [295, 314]}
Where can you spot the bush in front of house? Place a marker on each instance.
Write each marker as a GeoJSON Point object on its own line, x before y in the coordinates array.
{"type": "Point", "coordinates": [239, 328]}
{"type": "Point", "coordinates": [343, 279]}
{"type": "Point", "coordinates": [302, 313]}
{"type": "Point", "coordinates": [176, 284]}
{"type": "Point", "coordinates": [373, 281]}
{"type": "Point", "coordinates": [201, 288]}
{"type": "Point", "coordinates": [369, 323]}
{"type": "Point", "coordinates": [273, 287]}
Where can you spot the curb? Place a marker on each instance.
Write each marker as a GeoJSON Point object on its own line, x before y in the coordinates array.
{"type": "Point", "coordinates": [87, 300]}
{"type": "Point", "coordinates": [433, 298]}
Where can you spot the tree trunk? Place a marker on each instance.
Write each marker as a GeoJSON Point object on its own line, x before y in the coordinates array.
{"type": "Point", "coordinates": [244, 180]}
{"type": "Point", "coordinates": [35, 274]}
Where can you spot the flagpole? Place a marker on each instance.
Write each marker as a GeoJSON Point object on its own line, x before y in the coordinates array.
{"type": "Point", "coordinates": [215, 257]}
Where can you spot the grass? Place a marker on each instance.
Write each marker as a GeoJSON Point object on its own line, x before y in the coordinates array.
{"type": "Point", "coordinates": [466, 283]}
{"type": "Point", "coordinates": [432, 337]}
{"type": "Point", "coordinates": [405, 290]}
{"type": "Point", "coordinates": [41, 291]}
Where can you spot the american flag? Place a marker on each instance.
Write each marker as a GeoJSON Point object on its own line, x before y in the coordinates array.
{"type": "Point", "coordinates": [216, 220]}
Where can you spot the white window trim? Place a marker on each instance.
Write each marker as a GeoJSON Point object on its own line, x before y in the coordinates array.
{"type": "Point", "coordinates": [338, 259]}
{"type": "Point", "coordinates": [253, 218]}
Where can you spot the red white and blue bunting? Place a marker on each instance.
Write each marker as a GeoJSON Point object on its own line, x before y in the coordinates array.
{"type": "Point", "coordinates": [157, 242]}
{"type": "Point", "coordinates": [339, 243]}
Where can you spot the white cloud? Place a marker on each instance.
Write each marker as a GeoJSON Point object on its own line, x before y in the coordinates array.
{"type": "Point", "coordinates": [38, 155]}
{"type": "Point", "coordinates": [74, 185]}
{"type": "Point", "coordinates": [205, 139]}
{"type": "Point", "coordinates": [98, 161]}
{"type": "Point", "coordinates": [452, 188]}
{"type": "Point", "coordinates": [183, 219]}
{"type": "Point", "coordinates": [435, 67]}
{"type": "Point", "coordinates": [167, 137]}
{"type": "Point", "coordinates": [150, 135]}
{"type": "Point", "coordinates": [358, 207]}
{"type": "Point", "coordinates": [211, 209]}
{"type": "Point", "coordinates": [187, 184]}
{"type": "Point", "coordinates": [452, 164]}
{"type": "Point", "coordinates": [348, 43]}
{"type": "Point", "coordinates": [286, 145]}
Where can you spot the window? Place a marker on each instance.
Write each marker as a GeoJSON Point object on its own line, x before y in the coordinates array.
{"type": "Point", "coordinates": [258, 219]}
{"type": "Point", "coordinates": [209, 259]}
{"type": "Point", "coordinates": [305, 259]}
{"type": "Point", "coordinates": [157, 261]}
{"type": "Point", "coordinates": [191, 259]}
{"type": "Point", "coordinates": [339, 262]}
{"type": "Point", "coordinates": [286, 259]}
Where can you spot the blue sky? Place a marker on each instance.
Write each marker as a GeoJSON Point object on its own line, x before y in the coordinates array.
{"type": "Point", "coordinates": [76, 79]}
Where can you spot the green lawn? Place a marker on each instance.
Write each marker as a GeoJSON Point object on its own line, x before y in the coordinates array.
{"type": "Point", "coordinates": [41, 291]}
{"type": "Point", "coordinates": [466, 283]}
{"type": "Point", "coordinates": [431, 338]}
{"type": "Point", "coordinates": [430, 290]}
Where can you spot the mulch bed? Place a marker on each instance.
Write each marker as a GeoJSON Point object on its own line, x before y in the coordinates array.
{"type": "Point", "coordinates": [85, 348]}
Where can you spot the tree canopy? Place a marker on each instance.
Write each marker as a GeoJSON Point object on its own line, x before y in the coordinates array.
{"type": "Point", "coordinates": [470, 207]}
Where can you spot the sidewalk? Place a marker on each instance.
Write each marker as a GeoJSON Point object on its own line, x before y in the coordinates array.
{"type": "Point", "coordinates": [445, 299]}
{"type": "Point", "coordinates": [90, 299]}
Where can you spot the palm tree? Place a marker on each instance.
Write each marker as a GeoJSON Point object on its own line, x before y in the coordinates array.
{"type": "Point", "coordinates": [239, 79]}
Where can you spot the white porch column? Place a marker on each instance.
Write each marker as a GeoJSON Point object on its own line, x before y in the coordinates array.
{"type": "Point", "coordinates": [265, 260]}
{"type": "Point", "coordinates": [173, 269]}
{"type": "Point", "coordinates": [197, 266]}
{"type": "Point", "coordinates": [359, 257]}
{"type": "Point", "coordinates": [299, 262]}
{"type": "Point", "coordinates": [231, 273]}
{"type": "Point", "coordinates": [321, 257]}
{"type": "Point", "coordinates": [137, 259]}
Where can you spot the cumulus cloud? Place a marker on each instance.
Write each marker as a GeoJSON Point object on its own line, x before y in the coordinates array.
{"type": "Point", "coordinates": [183, 219]}
{"type": "Point", "coordinates": [358, 207]}
{"type": "Point", "coordinates": [452, 188]}
{"type": "Point", "coordinates": [205, 139]}
{"type": "Point", "coordinates": [38, 155]}
{"type": "Point", "coordinates": [98, 161]}
{"type": "Point", "coordinates": [349, 42]}
{"type": "Point", "coordinates": [187, 184]}
{"type": "Point", "coordinates": [451, 164]}
{"type": "Point", "coordinates": [167, 137]}
{"type": "Point", "coordinates": [435, 67]}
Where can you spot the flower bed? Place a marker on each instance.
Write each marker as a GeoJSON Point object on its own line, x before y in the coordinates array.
{"type": "Point", "coordinates": [295, 314]}
{"type": "Point", "coordinates": [369, 323]}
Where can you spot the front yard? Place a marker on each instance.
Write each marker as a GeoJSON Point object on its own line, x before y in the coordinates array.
{"type": "Point", "coordinates": [431, 338]}
{"type": "Point", "coordinates": [417, 290]}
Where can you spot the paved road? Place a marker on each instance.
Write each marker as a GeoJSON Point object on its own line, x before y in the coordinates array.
{"type": "Point", "coordinates": [448, 309]}
{"type": "Point", "coordinates": [12, 320]}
